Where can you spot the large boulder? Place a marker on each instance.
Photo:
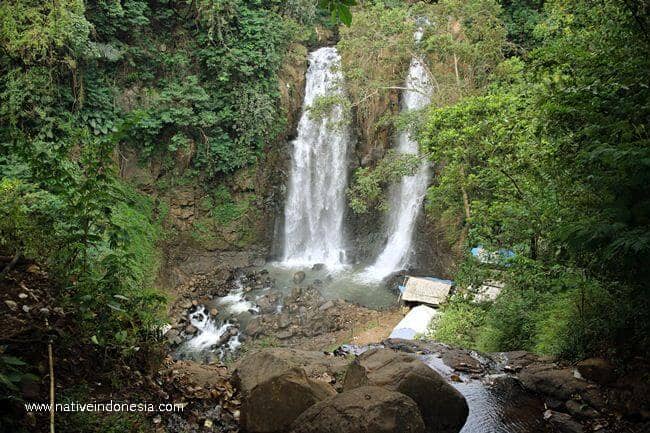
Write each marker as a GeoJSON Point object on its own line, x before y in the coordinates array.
{"type": "Point", "coordinates": [367, 409]}
{"type": "Point", "coordinates": [277, 385]}
{"type": "Point", "coordinates": [443, 408]}
{"type": "Point", "coordinates": [549, 380]}
{"type": "Point", "coordinates": [597, 370]}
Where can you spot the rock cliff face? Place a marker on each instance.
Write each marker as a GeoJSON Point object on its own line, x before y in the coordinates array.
{"type": "Point", "coordinates": [255, 194]}
{"type": "Point", "coordinates": [374, 136]}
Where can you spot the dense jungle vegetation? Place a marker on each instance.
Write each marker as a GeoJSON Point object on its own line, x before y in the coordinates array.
{"type": "Point", "coordinates": [538, 135]}
{"type": "Point", "coordinates": [83, 81]}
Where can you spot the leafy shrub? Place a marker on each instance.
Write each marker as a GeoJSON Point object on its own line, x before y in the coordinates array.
{"type": "Point", "coordinates": [13, 373]}
{"type": "Point", "coordinates": [99, 240]}
{"type": "Point", "coordinates": [459, 323]}
{"type": "Point", "coordinates": [369, 184]}
{"type": "Point", "coordinates": [511, 322]}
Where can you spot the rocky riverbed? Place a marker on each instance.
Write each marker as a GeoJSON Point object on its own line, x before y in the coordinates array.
{"type": "Point", "coordinates": [303, 360]}
{"type": "Point", "coordinates": [285, 389]}
{"type": "Point", "coordinates": [211, 325]}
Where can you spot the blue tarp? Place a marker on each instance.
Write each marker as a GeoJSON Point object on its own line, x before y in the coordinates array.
{"type": "Point", "coordinates": [494, 257]}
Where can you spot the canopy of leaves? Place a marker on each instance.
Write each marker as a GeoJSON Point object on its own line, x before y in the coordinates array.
{"type": "Point", "coordinates": [551, 162]}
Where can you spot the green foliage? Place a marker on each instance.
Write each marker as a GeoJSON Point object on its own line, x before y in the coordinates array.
{"type": "Point", "coordinates": [228, 220]}
{"type": "Point", "coordinates": [511, 323]}
{"type": "Point", "coordinates": [464, 43]}
{"type": "Point", "coordinates": [33, 30]}
{"type": "Point", "coordinates": [13, 374]}
{"type": "Point", "coordinates": [375, 54]}
{"type": "Point", "coordinates": [488, 159]}
{"type": "Point", "coordinates": [459, 323]}
{"type": "Point", "coordinates": [555, 311]}
{"type": "Point", "coordinates": [520, 18]}
{"type": "Point", "coordinates": [368, 186]}
{"type": "Point", "coordinates": [560, 312]}
{"type": "Point", "coordinates": [96, 236]}
{"type": "Point", "coordinates": [339, 10]}
{"type": "Point", "coordinates": [226, 209]}
{"type": "Point", "coordinates": [199, 78]}
{"type": "Point", "coordinates": [119, 288]}
{"type": "Point", "coordinates": [551, 161]}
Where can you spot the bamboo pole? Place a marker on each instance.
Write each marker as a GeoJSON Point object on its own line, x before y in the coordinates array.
{"type": "Point", "coordinates": [51, 364]}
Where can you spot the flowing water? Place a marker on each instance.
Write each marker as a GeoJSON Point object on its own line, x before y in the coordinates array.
{"type": "Point", "coordinates": [497, 403]}
{"type": "Point", "coordinates": [219, 336]}
{"type": "Point", "coordinates": [212, 336]}
{"type": "Point", "coordinates": [408, 195]}
{"type": "Point", "coordinates": [314, 210]}
{"type": "Point", "coordinates": [340, 284]}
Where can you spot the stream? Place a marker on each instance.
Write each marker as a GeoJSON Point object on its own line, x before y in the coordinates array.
{"type": "Point", "coordinates": [220, 335]}
{"type": "Point", "coordinates": [497, 403]}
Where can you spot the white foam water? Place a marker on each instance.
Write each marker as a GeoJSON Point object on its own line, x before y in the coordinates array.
{"type": "Point", "coordinates": [236, 302]}
{"type": "Point", "coordinates": [315, 206]}
{"type": "Point", "coordinates": [408, 195]}
{"type": "Point", "coordinates": [209, 332]}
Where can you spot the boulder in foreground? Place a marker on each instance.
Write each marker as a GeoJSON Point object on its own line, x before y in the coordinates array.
{"type": "Point", "coordinates": [275, 389]}
{"type": "Point", "coordinates": [367, 409]}
{"type": "Point", "coordinates": [443, 408]}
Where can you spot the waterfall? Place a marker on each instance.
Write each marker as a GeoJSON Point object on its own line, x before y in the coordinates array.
{"type": "Point", "coordinates": [407, 196]}
{"type": "Point", "coordinates": [313, 226]}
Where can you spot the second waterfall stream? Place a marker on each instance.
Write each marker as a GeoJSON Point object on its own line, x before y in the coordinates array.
{"type": "Point", "coordinates": [408, 195]}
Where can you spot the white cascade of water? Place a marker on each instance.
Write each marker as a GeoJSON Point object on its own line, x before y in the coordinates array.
{"type": "Point", "coordinates": [408, 195]}
{"type": "Point", "coordinates": [209, 332]}
{"type": "Point", "coordinates": [314, 210]}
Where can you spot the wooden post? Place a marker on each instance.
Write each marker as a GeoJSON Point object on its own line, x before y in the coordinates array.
{"type": "Point", "coordinates": [51, 363]}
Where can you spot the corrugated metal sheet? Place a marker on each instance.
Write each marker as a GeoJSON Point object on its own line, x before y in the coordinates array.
{"type": "Point", "coordinates": [489, 291]}
{"type": "Point", "coordinates": [426, 290]}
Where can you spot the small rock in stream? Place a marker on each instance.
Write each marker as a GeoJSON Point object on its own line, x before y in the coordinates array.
{"type": "Point", "coordinates": [563, 422]}
{"type": "Point", "coordinates": [284, 320]}
{"type": "Point", "coordinates": [299, 277]}
{"type": "Point", "coordinates": [326, 306]}
{"type": "Point", "coordinates": [580, 409]}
